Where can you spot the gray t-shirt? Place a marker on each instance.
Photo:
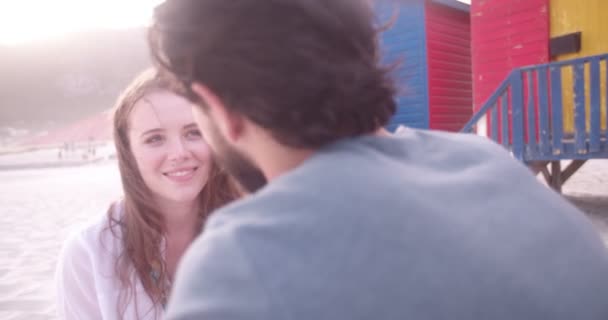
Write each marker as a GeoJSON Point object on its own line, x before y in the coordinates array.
{"type": "Point", "coordinates": [424, 225]}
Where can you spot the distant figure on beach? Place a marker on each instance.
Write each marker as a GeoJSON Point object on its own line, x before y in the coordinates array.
{"type": "Point", "coordinates": [355, 223]}
{"type": "Point", "coordinates": [122, 265]}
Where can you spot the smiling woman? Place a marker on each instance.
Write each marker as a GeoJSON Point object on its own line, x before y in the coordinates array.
{"type": "Point", "coordinates": [173, 159]}
{"type": "Point", "coordinates": [121, 266]}
{"type": "Point", "coordinates": [26, 21]}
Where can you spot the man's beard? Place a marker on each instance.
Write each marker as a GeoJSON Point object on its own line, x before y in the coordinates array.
{"type": "Point", "coordinates": [239, 166]}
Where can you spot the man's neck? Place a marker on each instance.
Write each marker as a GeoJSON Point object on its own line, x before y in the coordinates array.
{"type": "Point", "coordinates": [275, 159]}
{"type": "Point", "coordinates": [283, 160]}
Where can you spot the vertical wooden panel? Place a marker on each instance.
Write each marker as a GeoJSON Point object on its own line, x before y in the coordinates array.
{"type": "Point", "coordinates": [580, 133]}
{"type": "Point", "coordinates": [568, 100]}
{"type": "Point", "coordinates": [517, 114]}
{"type": "Point", "coordinates": [504, 108]}
{"type": "Point", "coordinates": [556, 109]}
{"type": "Point", "coordinates": [588, 17]}
{"type": "Point", "coordinates": [494, 122]}
{"type": "Point", "coordinates": [531, 110]}
{"type": "Point", "coordinates": [543, 110]}
{"type": "Point", "coordinates": [594, 133]}
{"type": "Point", "coordinates": [506, 34]}
{"type": "Point", "coordinates": [405, 42]}
{"type": "Point", "coordinates": [449, 66]}
{"type": "Point", "coordinates": [604, 110]}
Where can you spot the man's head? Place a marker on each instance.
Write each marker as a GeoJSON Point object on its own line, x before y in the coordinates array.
{"type": "Point", "coordinates": [304, 72]}
{"type": "Point", "coordinates": [241, 167]}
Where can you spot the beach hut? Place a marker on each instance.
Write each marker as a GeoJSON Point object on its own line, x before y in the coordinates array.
{"type": "Point", "coordinates": [540, 80]}
{"type": "Point", "coordinates": [431, 39]}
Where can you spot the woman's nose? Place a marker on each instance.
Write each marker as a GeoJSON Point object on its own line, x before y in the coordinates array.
{"type": "Point", "coordinates": [178, 151]}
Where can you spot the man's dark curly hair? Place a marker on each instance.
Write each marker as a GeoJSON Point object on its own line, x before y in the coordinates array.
{"type": "Point", "coordinates": [308, 71]}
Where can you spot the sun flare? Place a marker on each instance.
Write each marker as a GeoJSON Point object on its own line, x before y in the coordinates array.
{"type": "Point", "coordinates": [26, 21]}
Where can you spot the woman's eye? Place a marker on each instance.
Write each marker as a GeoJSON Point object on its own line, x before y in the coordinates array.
{"type": "Point", "coordinates": [193, 134]}
{"type": "Point", "coordinates": [156, 139]}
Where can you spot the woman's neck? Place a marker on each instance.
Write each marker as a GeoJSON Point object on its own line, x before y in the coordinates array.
{"type": "Point", "coordinates": [181, 219]}
{"type": "Point", "coordinates": [182, 226]}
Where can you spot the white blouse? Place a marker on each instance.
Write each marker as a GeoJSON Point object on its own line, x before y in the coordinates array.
{"type": "Point", "coordinates": [86, 280]}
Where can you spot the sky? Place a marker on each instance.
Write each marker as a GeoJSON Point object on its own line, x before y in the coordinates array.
{"type": "Point", "coordinates": [25, 21]}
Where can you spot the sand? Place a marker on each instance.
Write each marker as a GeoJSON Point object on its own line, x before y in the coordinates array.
{"type": "Point", "coordinates": [588, 189]}
{"type": "Point", "coordinates": [41, 206]}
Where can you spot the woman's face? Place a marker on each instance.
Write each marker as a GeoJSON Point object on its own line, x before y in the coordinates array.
{"type": "Point", "coordinates": [171, 155]}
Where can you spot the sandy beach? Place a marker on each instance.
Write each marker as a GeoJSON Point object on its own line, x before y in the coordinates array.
{"type": "Point", "coordinates": [588, 189]}
{"type": "Point", "coordinates": [41, 206]}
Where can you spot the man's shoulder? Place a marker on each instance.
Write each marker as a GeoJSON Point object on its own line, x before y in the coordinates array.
{"type": "Point", "coordinates": [219, 271]}
{"type": "Point", "coordinates": [263, 208]}
{"type": "Point", "coordinates": [444, 150]}
{"type": "Point", "coordinates": [451, 141]}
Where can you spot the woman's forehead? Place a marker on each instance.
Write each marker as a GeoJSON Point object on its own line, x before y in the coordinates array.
{"type": "Point", "coordinates": [160, 109]}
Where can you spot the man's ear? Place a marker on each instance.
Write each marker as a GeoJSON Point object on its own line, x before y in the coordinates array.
{"type": "Point", "coordinates": [228, 123]}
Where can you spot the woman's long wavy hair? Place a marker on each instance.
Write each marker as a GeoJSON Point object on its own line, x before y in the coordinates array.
{"type": "Point", "coordinates": [140, 226]}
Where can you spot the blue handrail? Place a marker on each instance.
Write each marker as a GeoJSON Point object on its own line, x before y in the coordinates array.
{"type": "Point", "coordinates": [564, 63]}
{"type": "Point", "coordinates": [526, 112]}
{"type": "Point", "coordinates": [490, 103]}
